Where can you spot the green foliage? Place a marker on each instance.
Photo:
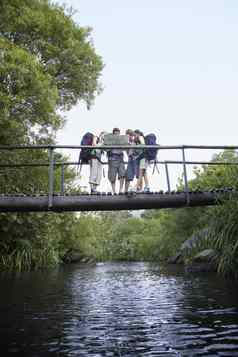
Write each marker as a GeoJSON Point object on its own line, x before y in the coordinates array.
{"type": "Point", "coordinates": [28, 97]}
{"type": "Point", "coordinates": [217, 176]}
{"type": "Point", "coordinates": [117, 236]}
{"type": "Point", "coordinates": [63, 49]}
{"type": "Point", "coordinates": [176, 226]}
{"type": "Point", "coordinates": [158, 234]}
{"type": "Point", "coordinates": [47, 65]}
{"type": "Point", "coordinates": [27, 241]}
{"type": "Point", "coordinates": [224, 234]}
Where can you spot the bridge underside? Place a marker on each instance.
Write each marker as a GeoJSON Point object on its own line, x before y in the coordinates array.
{"type": "Point", "coordinates": [83, 202]}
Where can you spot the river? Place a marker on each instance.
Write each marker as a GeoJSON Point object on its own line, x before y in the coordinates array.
{"type": "Point", "coordinates": [118, 309]}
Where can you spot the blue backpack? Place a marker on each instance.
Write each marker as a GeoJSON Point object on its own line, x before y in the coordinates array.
{"type": "Point", "coordinates": [150, 154]}
{"type": "Point", "coordinates": [86, 154]}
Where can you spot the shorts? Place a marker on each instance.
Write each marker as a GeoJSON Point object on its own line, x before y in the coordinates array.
{"type": "Point", "coordinates": [132, 169]}
{"type": "Point", "coordinates": [144, 164]}
{"type": "Point", "coordinates": [116, 167]}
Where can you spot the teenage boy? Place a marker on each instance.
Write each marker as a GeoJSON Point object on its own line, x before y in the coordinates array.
{"type": "Point", "coordinates": [116, 166]}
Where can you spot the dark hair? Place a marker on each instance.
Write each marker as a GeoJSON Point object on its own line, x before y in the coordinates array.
{"type": "Point", "coordinates": [116, 130]}
{"type": "Point", "coordinates": [137, 131]}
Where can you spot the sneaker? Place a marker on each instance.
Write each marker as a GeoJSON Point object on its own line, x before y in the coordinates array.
{"type": "Point", "coordinates": [93, 191]}
{"type": "Point", "coordinates": [146, 189]}
{"type": "Point", "coordinates": [131, 192]}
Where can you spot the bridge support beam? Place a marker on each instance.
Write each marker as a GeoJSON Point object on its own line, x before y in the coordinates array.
{"type": "Point", "coordinates": [107, 203]}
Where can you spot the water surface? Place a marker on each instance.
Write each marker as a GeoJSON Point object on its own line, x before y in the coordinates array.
{"type": "Point", "coordinates": [118, 309]}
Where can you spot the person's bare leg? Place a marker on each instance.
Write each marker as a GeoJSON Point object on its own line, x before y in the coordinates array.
{"type": "Point", "coordinates": [142, 180]}
{"type": "Point", "coordinates": [121, 184]}
{"type": "Point", "coordinates": [139, 181]}
{"type": "Point", "coordinates": [146, 179]}
{"type": "Point", "coordinates": [113, 187]}
{"type": "Point", "coordinates": [127, 185]}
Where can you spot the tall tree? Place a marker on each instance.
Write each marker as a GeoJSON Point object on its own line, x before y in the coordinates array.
{"type": "Point", "coordinates": [47, 64]}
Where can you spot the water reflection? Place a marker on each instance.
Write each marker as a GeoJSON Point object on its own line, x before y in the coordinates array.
{"type": "Point", "coordinates": [131, 309]}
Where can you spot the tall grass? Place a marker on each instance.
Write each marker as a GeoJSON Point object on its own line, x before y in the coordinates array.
{"type": "Point", "coordinates": [25, 256]}
{"type": "Point", "coordinates": [224, 236]}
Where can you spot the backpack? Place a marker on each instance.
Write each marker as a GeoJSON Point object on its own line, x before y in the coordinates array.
{"type": "Point", "coordinates": [85, 153]}
{"type": "Point", "coordinates": [150, 154]}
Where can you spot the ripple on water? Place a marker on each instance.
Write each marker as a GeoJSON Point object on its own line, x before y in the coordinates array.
{"type": "Point", "coordinates": [121, 309]}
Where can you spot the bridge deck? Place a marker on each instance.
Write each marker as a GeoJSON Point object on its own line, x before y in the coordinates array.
{"type": "Point", "coordinates": [51, 201]}
{"type": "Point", "coordinates": [106, 202]}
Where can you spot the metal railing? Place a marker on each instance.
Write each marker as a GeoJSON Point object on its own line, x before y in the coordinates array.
{"type": "Point", "coordinates": [51, 164]}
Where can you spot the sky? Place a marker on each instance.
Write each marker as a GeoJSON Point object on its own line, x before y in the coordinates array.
{"type": "Point", "coordinates": [171, 67]}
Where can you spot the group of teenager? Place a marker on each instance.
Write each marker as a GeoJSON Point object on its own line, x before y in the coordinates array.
{"type": "Point", "coordinates": [137, 164]}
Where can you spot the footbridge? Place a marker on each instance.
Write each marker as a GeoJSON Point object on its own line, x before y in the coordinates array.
{"type": "Point", "coordinates": [40, 178]}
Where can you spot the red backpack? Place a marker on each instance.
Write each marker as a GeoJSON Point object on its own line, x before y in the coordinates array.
{"type": "Point", "coordinates": [85, 153]}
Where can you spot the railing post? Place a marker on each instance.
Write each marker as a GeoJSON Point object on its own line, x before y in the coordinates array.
{"type": "Point", "coordinates": [62, 180]}
{"type": "Point", "coordinates": [185, 177]}
{"type": "Point", "coordinates": [51, 177]}
{"type": "Point", "coordinates": [167, 177]}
